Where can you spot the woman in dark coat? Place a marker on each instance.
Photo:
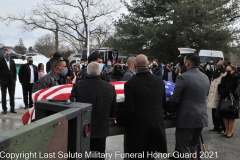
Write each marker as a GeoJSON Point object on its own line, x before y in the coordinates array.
{"type": "Point", "coordinates": [156, 69]}
{"type": "Point", "coordinates": [228, 86]}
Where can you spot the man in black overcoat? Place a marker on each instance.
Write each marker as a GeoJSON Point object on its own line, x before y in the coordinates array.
{"type": "Point", "coordinates": [28, 75]}
{"type": "Point", "coordinates": [143, 111]}
{"type": "Point", "coordinates": [93, 89]}
{"type": "Point", "coordinates": [8, 80]}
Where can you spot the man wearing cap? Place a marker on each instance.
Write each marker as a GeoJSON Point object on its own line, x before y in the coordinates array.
{"type": "Point", "coordinates": [70, 76]}
{"type": "Point", "coordinates": [183, 53]}
{"type": "Point", "coordinates": [53, 78]}
{"type": "Point", "coordinates": [78, 64]}
{"type": "Point", "coordinates": [94, 57]}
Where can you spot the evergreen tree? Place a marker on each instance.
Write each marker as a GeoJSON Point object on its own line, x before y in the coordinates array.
{"type": "Point", "coordinates": [159, 28]}
{"type": "Point", "coordinates": [20, 48]}
{"type": "Point", "coordinates": [30, 49]}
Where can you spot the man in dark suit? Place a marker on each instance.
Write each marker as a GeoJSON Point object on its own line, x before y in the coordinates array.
{"type": "Point", "coordinates": [131, 69]}
{"type": "Point", "coordinates": [143, 111]}
{"type": "Point", "coordinates": [8, 80]}
{"type": "Point", "coordinates": [169, 74]}
{"type": "Point", "coordinates": [48, 66]}
{"type": "Point", "coordinates": [189, 99]}
{"type": "Point", "coordinates": [93, 89]}
{"type": "Point", "coordinates": [28, 75]}
{"type": "Point", "coordinates": [94, 57]}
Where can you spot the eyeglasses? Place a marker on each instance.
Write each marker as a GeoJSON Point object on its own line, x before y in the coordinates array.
{"type": "Point", "coordinates": [60, 59]}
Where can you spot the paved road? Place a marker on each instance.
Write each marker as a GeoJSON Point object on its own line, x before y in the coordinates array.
{"type": "Point", "coordinates": [218, 147]}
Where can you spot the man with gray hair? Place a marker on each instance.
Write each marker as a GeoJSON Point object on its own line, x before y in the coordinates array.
{"type": "Point", "coordinates": [93, 89]}
{"type": "Point", "coordinates": [143, 112]}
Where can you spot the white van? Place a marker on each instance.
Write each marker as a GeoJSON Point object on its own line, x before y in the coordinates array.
{"type": "Point", "coordinates": [208, 55]}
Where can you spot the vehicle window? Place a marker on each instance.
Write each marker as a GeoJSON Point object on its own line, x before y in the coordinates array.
{"type": "Point", "coordinates": [31, 54]}
{"type": "Point", "coordinates": [78, 55]}
{"type": "Point", "coordinates": [12, 51]}
{"type": "Point", "coordinates": [205, 59]}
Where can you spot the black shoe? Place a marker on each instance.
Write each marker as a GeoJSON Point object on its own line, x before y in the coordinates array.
{"type": "Point", "coordinates": [26, 107]}
{"type": "Point", "coordinates": [4, 112]}
{"type": "Point", "coordinates": [13, 111]}
{"type": "Point", "coordinates": [226, 136]}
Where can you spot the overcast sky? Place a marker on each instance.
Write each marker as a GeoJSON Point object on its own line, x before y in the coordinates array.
{"type": "Point", "coordinates": [10, 35]}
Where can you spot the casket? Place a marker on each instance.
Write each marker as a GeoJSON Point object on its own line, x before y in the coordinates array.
{"type": "Point", "coordinates": [62, 92]}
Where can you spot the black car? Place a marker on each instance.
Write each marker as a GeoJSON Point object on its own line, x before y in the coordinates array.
{"type": "Point", "coordinates": [14, 55]}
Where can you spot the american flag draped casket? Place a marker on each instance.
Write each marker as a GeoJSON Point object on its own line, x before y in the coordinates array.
{"type": "Point", "coordinates": [62, 92]}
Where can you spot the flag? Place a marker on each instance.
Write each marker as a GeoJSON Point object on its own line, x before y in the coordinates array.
{"type": "Point", "coordinates": [63, 92]}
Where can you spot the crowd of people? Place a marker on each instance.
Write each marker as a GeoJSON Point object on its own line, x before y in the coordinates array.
{"type": "Point", "coordinates": [196, 88]}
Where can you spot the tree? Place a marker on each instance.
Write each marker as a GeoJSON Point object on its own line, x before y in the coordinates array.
{"type": "Point", "coordinates": [20, 48]}
{"type": "Point", "coordinates": [45, 45]}
{"type": "Point", "coordinates": [76, 26]}
{"type": "Point", "coordinates": [39, 17]}
{"type": "Point", "coordinates": [158, 27]}
{"type": "Point", "coordinates": [71, 24]}
{"type": "Point", "coordinates": [30, 49]}
{"type": "Point", "coordinates": [101, 35]}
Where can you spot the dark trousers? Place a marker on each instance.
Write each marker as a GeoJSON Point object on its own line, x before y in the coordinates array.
{"type": "Point", "coordinates": [217, 121]}
{"type": "Point", "coordinates": [97, 145]}
{"type": "Point", "coordinates": [27, 94]}
{"type": "Point", "coordinates": [187, 140]}
{"type": "Point", "coordinates": [11, 91]}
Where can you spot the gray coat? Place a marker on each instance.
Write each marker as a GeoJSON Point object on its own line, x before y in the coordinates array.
{"type": "Point", "coordinates": [189, 98]}
{"type": "Point", "coordinates": [128, 75]}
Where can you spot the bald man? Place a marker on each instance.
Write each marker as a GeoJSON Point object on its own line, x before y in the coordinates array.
{"type": "Point", "coordinates": [131, 69]}
{"type": "Point", "coordinates": [142, 111]}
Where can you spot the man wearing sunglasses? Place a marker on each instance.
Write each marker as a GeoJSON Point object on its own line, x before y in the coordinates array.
{"type": "Point", "coordinates": [55, 76]}
{"type": "Point", "coordinates": [8, 81]}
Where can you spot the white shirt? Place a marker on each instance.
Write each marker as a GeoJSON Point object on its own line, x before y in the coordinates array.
{"type": "Point", "coordinates": [8, 63]}
{"type": "Point", "coordinates": [31, 74]}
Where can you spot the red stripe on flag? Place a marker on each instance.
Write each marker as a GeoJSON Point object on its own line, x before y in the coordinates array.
{"type": "Point", "coordinates": [38, 93]}
{"type": "Point", "coordinates": [117, 82]}
{"type": "Point", "coordinates": [57, 89]}
{"type": "Point", "coordinates": [120, 91]}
